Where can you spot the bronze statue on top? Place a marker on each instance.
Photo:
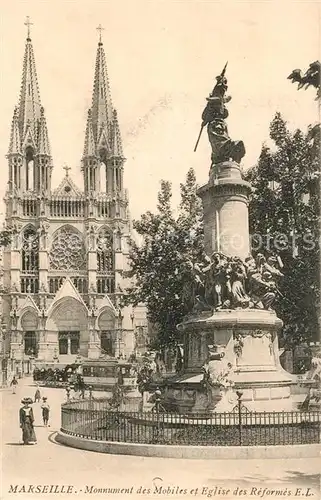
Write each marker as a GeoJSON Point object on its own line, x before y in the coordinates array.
{"type": "Point", "coordinates": [214, 115]}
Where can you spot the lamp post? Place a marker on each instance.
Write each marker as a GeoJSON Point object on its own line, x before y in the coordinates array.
{"type": "Point", "coordinates": [239, 407]}
{"type": "Point", "coordinates": [132, 317]}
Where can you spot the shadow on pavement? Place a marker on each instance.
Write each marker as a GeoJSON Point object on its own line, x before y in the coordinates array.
{"type": "Point", "coordinates": [52, 439]}
{"type": "Point", "coordinates": [301, 477]}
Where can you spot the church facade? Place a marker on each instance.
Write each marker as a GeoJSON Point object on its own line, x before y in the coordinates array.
{"type": "Point", "coordinates": [63, 274]}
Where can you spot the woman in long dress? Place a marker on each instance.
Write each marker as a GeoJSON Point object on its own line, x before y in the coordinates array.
{"type": "Point", "coordinates": [26, 422]}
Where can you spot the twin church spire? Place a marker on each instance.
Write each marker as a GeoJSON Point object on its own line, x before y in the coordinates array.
{"type": "Point", "coordinates": [103, 145]}
{"type": "Point", "coordinates": [29, 139]}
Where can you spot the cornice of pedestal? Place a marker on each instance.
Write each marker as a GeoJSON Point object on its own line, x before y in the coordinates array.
{"type": "Point", "coordinates": [233, 318]}
{"type": "Point", "coordinates": [226, 177]}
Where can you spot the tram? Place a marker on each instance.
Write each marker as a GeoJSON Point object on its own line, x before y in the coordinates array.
{"type": "Point", "coordinates": [104, 374]}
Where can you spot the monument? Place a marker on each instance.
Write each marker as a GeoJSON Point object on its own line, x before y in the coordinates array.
{"type": "Point", "coordinates": [230, 337]}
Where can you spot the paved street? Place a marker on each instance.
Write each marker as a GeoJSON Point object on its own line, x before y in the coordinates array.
{"type": "Point", "coordinates": [50, 463]}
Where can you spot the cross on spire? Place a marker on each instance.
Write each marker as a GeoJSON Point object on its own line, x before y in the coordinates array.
{"type": "Point", "coordinates": [65, 167]}
{"type": "Point", "coordinates": [100, 29]}
{"type": "Point", "coordinates": [28, 23]}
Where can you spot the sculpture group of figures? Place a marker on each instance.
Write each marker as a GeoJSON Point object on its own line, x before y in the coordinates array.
{"type": "Point", "coordinates": [313, 397]}
{"type": "Point", "coordinates": [217, 370]}
{"type": "Point", "coordinates": [229, 283]}
{"type": "Point", "coordinates": [214, 115]}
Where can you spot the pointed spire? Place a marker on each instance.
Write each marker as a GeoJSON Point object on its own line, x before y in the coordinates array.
{"type": "Point", "coordinates": [43, 140]}
{"type": "Point", "coordinates": [15, 142]}
{"type": "Point", "coordinates": [116, 142]}
{"type": "Point", "coordinates": [102, 108]}
{"type": "Point", "coordinates": [89, 148]}
{"type": "Point", "coordinates": [29, 104]}
{"type": "Point", "coordinates": [29, 126]}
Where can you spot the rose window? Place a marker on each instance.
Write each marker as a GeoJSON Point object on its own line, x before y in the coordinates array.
{"type": "Point", "coordinates": [67, 251]}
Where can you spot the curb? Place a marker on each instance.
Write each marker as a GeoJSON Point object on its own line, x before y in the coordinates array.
{"type": "Point", "coordinates": [191, 452]}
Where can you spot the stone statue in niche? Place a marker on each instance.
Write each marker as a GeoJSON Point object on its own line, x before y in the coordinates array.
{"type": "Point", "coordinates": [43, 233]}
{"type": "Point", "coordinates": [15, 287]}
{"type": "Point", "coordinates": [16, 228]}
{"type": "Point", "coordinates": [91, 235]}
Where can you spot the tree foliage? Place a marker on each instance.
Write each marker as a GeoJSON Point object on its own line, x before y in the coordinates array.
{"type": "Point", "coordinates": [5, 237]}
{"type": "Point", "coordinates": [311, 78]}
{"type": "Point", "coordinates": [160, 267]}
{"type": "Point", "coordinates": [284, 218]}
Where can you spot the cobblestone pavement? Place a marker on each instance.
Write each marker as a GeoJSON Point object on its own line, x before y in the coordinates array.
{"type": "Point", "coordinates": [92, 474]}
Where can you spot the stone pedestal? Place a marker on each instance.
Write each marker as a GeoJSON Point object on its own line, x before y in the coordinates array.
{"type": "Point", "coordinates": [248, 339]}
{"type": "Point", "coordinates": [94, 350]}
{"type": "Point", "coordinates": [225, 206]}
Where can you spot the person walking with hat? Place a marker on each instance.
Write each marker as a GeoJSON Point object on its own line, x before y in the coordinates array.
{"type": "Point", "coordinates": [45, 411]}
{"type": "Point", "coordinates": [26, 422]}
{"type": "Point", "coordinates": [14, 383]}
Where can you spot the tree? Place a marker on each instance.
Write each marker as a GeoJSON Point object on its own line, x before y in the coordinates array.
{"type": "Point", "coordinates": [311, 78]}
{"type": "Point", "coordinates": [284, 219]}
{"type": "Point", "coordinates": [5, 237]}
{"type": "Point", "coordinates": [160, 268]}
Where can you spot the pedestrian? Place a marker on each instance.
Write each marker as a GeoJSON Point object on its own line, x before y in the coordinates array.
{"type": "Point", "coordinates": [14, 383]}
{"type": "Point", "coordinates": [45, 411]}
{"type": "Point", "coordinates": [68, 393]}
{"type": "Point", "coordinates": [26, 422]}
{"type": "Point", "coordinates": [37, 395]}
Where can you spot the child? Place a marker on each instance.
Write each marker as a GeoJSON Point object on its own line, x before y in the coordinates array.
{"type": "Point", "coordinates": [37, 395]}
{"type": "Point", "coordinates": [45, 411]}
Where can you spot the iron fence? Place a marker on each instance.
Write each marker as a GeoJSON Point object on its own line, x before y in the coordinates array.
{"type": "Point", "coordinates": [94, 420]}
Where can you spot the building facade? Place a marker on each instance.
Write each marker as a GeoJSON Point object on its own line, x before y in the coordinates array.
{"type": "Point", "coordinates": [63, 274]}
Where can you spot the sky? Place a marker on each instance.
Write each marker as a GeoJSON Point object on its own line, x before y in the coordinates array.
{"type": "Point", "coordinates": [162, 57]}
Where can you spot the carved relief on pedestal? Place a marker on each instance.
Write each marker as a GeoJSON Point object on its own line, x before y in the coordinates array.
{"type": "Point", "coordinates": [254, 346]}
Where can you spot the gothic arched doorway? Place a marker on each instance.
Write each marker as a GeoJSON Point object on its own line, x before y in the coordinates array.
{"type": "Point", "coordinates": [68, 321]}
{"type": "Point", "coordinates": [29, 324]}
{"type": "Point", "coordinates": [106, 324]}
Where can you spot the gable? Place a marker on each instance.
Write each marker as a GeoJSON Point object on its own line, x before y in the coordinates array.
{"type": "Point", "coordinates": [67, 188]}
{"type": "Point", "coordinates": [69, 290]}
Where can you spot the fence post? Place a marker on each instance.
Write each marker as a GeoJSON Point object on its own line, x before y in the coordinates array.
{"type": "Point", "coordinates": [157, 405]}
{"type": "Point", "coordinates": [239, 406]}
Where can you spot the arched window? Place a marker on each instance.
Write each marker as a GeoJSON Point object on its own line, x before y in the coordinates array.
{"type": "Point", "coordinates": [29, 254]}
{"type": "Point", "coordinates": [29, 261]}
{"type": "Point", "coordinates": [68, 251]}
{"type": "Point", "coordinates": [29, 170]}
{"type": "Point", "coordinates": [105, 254]}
